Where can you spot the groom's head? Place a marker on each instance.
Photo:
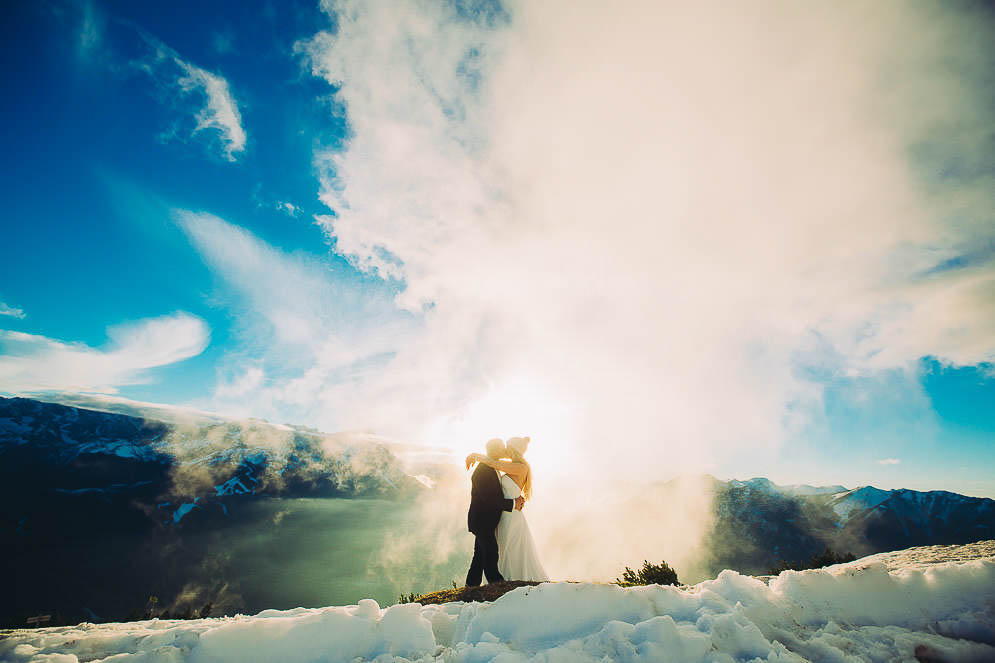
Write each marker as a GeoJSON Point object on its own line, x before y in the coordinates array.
{"type": "Point", "coordinates": [495, 448]}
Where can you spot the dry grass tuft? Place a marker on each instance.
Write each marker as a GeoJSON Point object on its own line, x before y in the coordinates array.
{"type": "Point", "coordinates": [483, 593]}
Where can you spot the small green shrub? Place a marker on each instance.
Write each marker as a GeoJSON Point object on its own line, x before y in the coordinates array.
{"type": "Point", "coordinates": [650, 574]}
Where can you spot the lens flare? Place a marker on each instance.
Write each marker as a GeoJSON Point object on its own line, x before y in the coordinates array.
{"type": "Point", "coordinates": [522, 406]}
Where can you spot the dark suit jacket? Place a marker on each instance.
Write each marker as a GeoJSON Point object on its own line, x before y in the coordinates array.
{"type": "Point", "coordinates": [487, 500]}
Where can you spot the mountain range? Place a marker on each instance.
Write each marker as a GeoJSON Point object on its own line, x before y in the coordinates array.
{"type": "Point", "coordinates": [759, 525]}
{"type": "Point", "coordinates": [105, 503]}
{"type": "Point", "coordinates": [100, 509]}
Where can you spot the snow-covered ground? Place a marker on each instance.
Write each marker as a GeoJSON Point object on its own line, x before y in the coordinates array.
{"type": "Point", "coordinates": [922, 557]}
{"type": "Point", "coordinates": [934, 604]}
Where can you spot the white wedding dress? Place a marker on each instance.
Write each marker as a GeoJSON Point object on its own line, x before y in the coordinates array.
{"type": "Point", "coordinates": [517, 556]}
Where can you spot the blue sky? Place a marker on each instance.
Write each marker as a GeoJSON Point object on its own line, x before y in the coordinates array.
{"type": "Point", "coordinates": [117, 144]}
{"type": "Point", "coordinates": [446, 222]}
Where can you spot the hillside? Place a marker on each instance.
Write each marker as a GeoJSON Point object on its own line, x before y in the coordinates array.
{"type": "Point", "coordinates": [103, 509]}
{"type": "Point", "coordinates": [758, 523]}
{"type": "Point", "coordinates": [917, 606]}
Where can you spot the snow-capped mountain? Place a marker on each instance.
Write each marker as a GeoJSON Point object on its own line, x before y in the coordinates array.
{"type": "Point", "coordinates": [101, 509]}
{"type": "Point", "coordinates": [759, 524]}
{"type": "Point", "coordinates": [805, 489]}
{"type": "Point", "coordinates": [764, 484]}
{"type": "Point", "coordinates": [201, 459]}
{"type": "Point", "coordinates": [928, 511]}
{"type": "Point", "coordinates": [894, 517]}
{"type": "Point", "coordinates": [846, 502]}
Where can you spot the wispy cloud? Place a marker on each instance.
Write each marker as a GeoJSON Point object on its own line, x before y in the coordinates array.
{"type": "Point", "coordinates": [308, 331]}
{"type": "Point", "coordinates": [35, 363]}
{"type": "Point", "coordinates": [220, 110]}
{"type": "Point", "coordinates": [90, 28]}
{"type": "Point", "coordinates": [288, 208]}
{"type": "Point", "coordinates": [654, 219]}
{"type": "Point", "coordinates": [190, 91]}
{"type": "Point", "coordinates": [11, 311]}
{"type": "Point", "coordinates": [889, 461]}
{"type": "Point", "coordinates": [243, 385]}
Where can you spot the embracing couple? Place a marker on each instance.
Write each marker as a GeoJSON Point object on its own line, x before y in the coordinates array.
{"type": "Point", "coordinates": [503, 548]}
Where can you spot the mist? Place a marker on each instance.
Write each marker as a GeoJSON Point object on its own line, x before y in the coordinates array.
{"type": "Point", "coordinates": [644, 235]}
{"type": "Point", "coordinates": [655, 223]}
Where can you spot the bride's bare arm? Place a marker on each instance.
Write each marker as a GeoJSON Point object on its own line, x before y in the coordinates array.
{"type": "Point", "coordinates": [507, 466]}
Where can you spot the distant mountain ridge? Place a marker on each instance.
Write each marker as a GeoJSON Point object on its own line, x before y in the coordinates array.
{"type": "Point", "coordinates": [762, 483]}
{"type": "Point", "coordinates": [846, 502]}
{"type": "Point", "coordinates": [759, 524]}
{"type": "Point", "coordinates": [196, 461]}
{"type": "Point", "coordinates": [850, 504]}
{"type": "Point", "coordinates": [99, 509]}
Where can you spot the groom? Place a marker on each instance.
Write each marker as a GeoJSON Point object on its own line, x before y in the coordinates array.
{"type": "Point", "coordinates": [487, 501]}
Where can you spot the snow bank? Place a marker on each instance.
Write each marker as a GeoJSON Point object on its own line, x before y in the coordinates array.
{"type": "Point", "coordinates": [860, 611]}
{"type": "Point", "coordinates": [922, 557]}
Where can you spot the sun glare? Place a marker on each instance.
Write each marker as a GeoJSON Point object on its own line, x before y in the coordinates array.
{"type": "Point", "coordinates": [518, 407]}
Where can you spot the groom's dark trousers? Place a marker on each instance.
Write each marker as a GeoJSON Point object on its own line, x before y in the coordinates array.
{"type": "Point", "coordinates": [487, 501]}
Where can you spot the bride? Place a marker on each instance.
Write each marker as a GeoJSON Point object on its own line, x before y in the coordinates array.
{"type": "Point", "coordinates": [517, 557]}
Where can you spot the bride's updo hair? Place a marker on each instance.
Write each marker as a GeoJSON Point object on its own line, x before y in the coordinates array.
{"type": "Point", "coordinates": [517, 447]}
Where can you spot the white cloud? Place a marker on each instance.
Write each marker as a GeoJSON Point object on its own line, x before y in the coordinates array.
{"type": "Point", "coordinates": [307, 331]}
{"type": "Point", "coordinates": [34, 363]}
{"type": "Point", "coordinates": [11, 311]}
{"type": "Point", "coordinates": [889, 461]}
{"type": "Point", "coordinates": [178, 82]}
{"type": "Point", "coordinates": [220, 111]}
{"type": "Point", "coordinates": [244, 384]}
{"type": "Point", "coordinates": [639, 227]}
{"type": "Point", "coordinates": [288, 208]}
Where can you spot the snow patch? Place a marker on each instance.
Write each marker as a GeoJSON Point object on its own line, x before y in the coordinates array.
{"type": "Point", "coordinates": [233, 486]}
{"type": "Point", "coordinates": [859, 499]}
{"type": "Point", "coordinates": [184, 509]}
{"type": "Point", "coordinates": [912, 606]}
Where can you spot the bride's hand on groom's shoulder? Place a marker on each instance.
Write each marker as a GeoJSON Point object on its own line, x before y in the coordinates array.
{"type": "Point", "coordinates": [470, 460]}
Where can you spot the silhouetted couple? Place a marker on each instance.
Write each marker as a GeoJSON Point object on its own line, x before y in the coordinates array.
{"type": "Point", "coordinates": [503, 547]}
